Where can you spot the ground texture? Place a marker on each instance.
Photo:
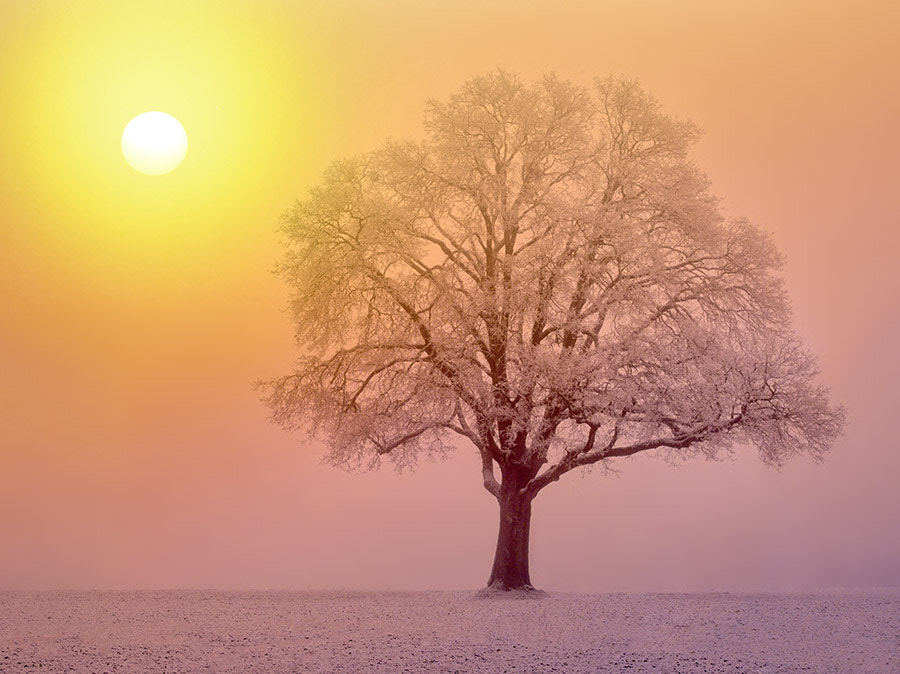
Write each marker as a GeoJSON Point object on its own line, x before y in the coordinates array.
{"type": "Point", "coordinates": [270, 632]}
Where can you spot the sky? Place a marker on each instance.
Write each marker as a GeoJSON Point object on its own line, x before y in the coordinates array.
{"type": "Point", "coordinates": [136, 312]}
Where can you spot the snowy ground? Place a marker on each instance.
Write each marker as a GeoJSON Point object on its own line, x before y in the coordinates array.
{"type": "Point", "coordinates": [448, 632]}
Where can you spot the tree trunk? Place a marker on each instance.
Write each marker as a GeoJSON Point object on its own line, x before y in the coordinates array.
{"type": "Point", "coordinates": [510, 571]}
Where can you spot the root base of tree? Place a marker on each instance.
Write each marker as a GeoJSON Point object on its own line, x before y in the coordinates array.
{"type": "Point", "coordinates": [497, 591]}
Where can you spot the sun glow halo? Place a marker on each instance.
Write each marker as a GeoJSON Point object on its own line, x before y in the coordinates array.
{"type": "Point", "coordinates": [154, 143]}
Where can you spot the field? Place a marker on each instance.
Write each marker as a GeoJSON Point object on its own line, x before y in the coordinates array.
{"type": "Point", "coordinates": [250, 632]}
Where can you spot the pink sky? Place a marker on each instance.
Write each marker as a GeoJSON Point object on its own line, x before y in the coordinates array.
{"type": "Point", "coordinates": [134, 452]}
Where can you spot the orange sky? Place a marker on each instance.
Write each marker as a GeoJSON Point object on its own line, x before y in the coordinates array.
{"type": "Point", "coordinates": [136, 311]}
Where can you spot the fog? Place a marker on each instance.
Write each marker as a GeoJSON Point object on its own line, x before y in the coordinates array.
{"type": "Point", "coordinates": [134, 451]}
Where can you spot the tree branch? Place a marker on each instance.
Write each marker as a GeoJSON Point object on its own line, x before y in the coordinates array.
{"type": "Point", "coordinates": [487, 472]}
{"type": "Point", "coordinates": [567, 462]}
{"type": "Point", "coordinates": [393, 444]}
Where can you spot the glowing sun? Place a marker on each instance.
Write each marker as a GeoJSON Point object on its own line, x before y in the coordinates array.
{"type": "Point", "coordinates": [154, 143]}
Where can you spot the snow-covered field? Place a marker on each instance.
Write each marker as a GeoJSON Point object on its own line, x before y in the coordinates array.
{"type": "Point", "coordinates": [252, 632]}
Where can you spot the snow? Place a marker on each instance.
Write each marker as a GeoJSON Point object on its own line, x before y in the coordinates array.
{"type": "Point", "coordinates": [249, 632]}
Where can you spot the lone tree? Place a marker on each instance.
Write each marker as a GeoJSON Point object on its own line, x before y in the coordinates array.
{"type": "Point", "coordinates": [547, 276]}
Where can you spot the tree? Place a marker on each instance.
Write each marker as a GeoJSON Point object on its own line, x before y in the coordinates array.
{"type": "Point", "coordinates": [547, 276]}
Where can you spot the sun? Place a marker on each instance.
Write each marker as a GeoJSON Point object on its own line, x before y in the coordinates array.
{"type": "Point", "coordinates": [154, 143]}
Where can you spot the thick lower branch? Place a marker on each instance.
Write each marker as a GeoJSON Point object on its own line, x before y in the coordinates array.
{"type": "Point", "coordinates": [569, 461]}
{"type": "Point", "coordinates": [487, 472]}
{"type": "Point", "coordinates": [588, 456]}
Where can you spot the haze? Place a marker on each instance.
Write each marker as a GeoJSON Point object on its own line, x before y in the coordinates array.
{"type": "Point", "coordinates": [135, 313]}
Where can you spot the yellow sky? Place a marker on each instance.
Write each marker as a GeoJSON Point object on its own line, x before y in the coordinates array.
{"type": "Point", "coordinates": [78, 72]}
{"type": "Point", "coordinates": [135, 311]}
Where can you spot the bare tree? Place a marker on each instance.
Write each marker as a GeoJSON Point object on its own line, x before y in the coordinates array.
{"type": "Point", "coordinates": [547, 276]}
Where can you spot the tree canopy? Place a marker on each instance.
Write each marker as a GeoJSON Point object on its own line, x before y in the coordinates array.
{"type": "Point", "coordinates": [547, 275]}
